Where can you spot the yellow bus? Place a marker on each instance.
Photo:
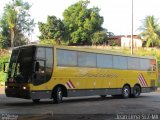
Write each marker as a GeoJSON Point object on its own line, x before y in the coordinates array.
{"type": "Point", "coordinates": [38, 72]}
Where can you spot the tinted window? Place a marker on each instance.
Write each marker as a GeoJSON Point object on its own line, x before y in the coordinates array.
{"type": "Point", "coordinates": [144, 64]}
{"type": "Point", "coordinates": [40, 53]}
{"type": "Point", "coordinates": [133, 63]}
{"type": "Point", "coordinates": [66, 58]}
{"type": "Point", "coordinates": [41, 73]}
{"type": "Point", "coordinates": [44, 58]}
{"type": "Point", "coordinates": [21, 64]}
{"type": "Point", "coordinates": [49, 63]}
{"type": "Point", "coordinates": [119, 62]}
{"type": "Point", "coordinates": [104, 61]}
{"type": "Point", "coordinates": [86, 59]}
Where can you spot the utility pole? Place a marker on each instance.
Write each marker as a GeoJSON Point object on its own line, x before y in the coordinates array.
{"type": "Point", "coordinates": [132, 32]}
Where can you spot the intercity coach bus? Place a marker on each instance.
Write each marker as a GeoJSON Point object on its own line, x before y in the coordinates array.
{"type": "Point", "coordinates": [37, 72]}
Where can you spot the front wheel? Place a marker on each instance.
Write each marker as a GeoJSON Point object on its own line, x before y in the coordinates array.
{"type": "Point", "coordinates": [136, 91]}
{"type": "Point", "coordinates": [57, 95]}
{"type": "Point", "coordinates": [126, 91]}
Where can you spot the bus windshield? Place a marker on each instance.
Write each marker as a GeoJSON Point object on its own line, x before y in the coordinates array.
{"type": "Point", "coordinates": [21, 64]}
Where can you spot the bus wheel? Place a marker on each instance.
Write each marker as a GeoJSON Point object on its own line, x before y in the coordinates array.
{"type": "Point", "coordinates": [126, 91]}
{"type": "Point", "coordinates": [136, 91]}
{"type": "Point", "coordinates": [36, 100]}
{"type": "Point", "coordinates": [57, 95]}
{"type": "Point", "coordinates": [103, 96]}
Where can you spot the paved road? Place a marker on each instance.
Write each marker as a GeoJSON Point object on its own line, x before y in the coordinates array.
{"type": "Point", "coordinates": [81, 108]}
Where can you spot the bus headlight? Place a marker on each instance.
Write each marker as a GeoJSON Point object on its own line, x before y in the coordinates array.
{"type": "Point", "coordinates": [24, 88]}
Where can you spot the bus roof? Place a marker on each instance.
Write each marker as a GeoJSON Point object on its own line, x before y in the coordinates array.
{"type": "Point", "coordinates": [87, 49]}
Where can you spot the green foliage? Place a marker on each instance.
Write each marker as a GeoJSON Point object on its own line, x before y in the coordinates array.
{"type": "Point", "coordinates": [99, 37]}
{"type": "Point", "coordinates": [113, 44]}
{"type": "Point", "coordinates": [2, 77]}
{"type": "Point", "coordinates": [80, 26]}
{"type": "Point", "coordinates": [16, 23]}
{"type": "Point", "coordinates": [4, 57]}
{"type": "Point", "coordinates": [150, 31]}
{"type": "Point", "coordinates": [4, 34]}
{"type": "Point", "coordinates": [3, 42]}
{"type": "Point", "coordinates": [81, 23]}
{"type": "Point", "coordinates": [48, 42]}
{"type": "Point", "coordinates": [52, 31]}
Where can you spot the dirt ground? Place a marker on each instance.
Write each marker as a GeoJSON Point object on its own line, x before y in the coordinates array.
{"type": "Point", "coordinates": [1, 89]}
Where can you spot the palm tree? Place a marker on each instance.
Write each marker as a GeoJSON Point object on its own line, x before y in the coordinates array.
{"type": "Point", "coordinates": [10, 17]}
{"type": "Point", "coordinates": [150, 31]}
{"type": "Point", "coordinates": [18, 19]}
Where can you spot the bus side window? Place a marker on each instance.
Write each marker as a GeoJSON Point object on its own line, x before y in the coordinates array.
{"type": "Point", "coordinates": [49, 63]}
{"type": "Point", "coordinates": [40, 66]}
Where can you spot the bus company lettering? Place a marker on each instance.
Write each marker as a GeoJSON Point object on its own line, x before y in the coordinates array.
{"type": "Point", "coordinates": [107, 75]}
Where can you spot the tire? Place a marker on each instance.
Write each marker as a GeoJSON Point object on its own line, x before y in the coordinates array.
{"type": "Point", "coordinates": [57, 95]}
{"type": "Point", "coordinates": [36, 100]}
{"type": "Point", "coordinates": [136, 91]}
{"type": "Point", "coordinates": [126, 92]}
{"type": "Point", "coordinates": [103, 96]}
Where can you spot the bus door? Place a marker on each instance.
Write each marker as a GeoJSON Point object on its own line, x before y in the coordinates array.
{"type": "Point", "coordinates": [43, 65]}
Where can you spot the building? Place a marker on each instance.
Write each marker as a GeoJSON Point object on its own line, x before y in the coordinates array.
{"type": "Point", "coordinates": [126, 41]}
{"type": "Point", "coordinates": [115, 40]}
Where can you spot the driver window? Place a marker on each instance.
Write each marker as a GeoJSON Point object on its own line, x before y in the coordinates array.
{"type": "Point", "coordinates": [40, 73]}
{"type": "Point", "coordinates": [43, 65]}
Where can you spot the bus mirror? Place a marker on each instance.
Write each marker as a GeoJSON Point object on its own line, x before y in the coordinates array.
{"type": "Point", "coordinates": [5, 67]}
{"type": "Point", "coordinates": [37, 66]}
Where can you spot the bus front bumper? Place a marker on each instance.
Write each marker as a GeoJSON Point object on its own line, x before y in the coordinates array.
{"type": "Point", "coordinates": [17, 93]}
{"type": "Point", "coordinates": [27, 94]}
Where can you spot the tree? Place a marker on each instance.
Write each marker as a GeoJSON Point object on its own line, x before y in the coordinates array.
{"type": "Point", "coordinates": [81, 23]}
{"type": "Point", "coordinates": [52, 30]}
{"type": "Point", "coordinates": [150, 31]}
{"type": "Point", "coordinates": [99, 37]}
{"type": "Point", "coordinates": [4, 34]}
{"type": "Point", "coordinates": [17, 19]}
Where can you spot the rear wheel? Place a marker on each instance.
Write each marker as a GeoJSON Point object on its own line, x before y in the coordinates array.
{"type": "Point", "coordinates": [126, 91]}
{"type": "Point", "coordinates": [136, 91]}
{"type": "Point", "coordinates": [57, 95]}
{"type": "Point", "coordinates": [36, 100]}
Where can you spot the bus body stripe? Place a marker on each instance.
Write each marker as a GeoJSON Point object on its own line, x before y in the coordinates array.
{"type": "Point", "coordinates": [142, 80]}
{"type": "Point", "coordinates": [71, 83]}
{"type": "Point", "coordinates": [68, 85]}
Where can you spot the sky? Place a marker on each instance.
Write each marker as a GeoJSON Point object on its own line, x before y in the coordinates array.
{"type": "Point", "coordinates": [117, 14]}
